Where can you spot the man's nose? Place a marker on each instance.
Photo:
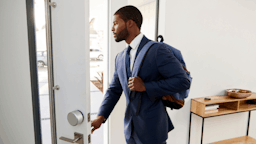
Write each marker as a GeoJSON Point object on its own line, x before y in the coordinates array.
{"type": "Point", "coordinates": [113, 29]}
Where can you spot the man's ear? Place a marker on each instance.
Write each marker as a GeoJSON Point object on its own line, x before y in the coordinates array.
{"type": "Point", "coordinates": [130, 23]}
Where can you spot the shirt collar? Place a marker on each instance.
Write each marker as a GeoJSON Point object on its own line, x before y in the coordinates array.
{"type": "Point", "coordinates": [136, 41]}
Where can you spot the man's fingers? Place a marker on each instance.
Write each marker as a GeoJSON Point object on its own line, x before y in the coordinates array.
{"type": "Point", "coordinates": [93, 130]}
{"type": "Point", "coordinates": [132, 89]}
{"type": "Point", "coordinates": [130, 85]}
{"type": "Point", "coordinates": [131, 81]}
{"type": "Point", "coordinates": [131, 78]}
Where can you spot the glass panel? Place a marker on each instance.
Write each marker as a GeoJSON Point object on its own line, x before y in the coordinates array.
{"type": "Point", "coordinates": [39, 11]}
{"type": "Point", "coordinates": [98, 45]}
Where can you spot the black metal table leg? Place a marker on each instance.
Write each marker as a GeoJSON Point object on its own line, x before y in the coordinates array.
{"type": "Point", "coordinates": [202, 131]}
{"type": "Point", "coordinates": [189, 128]}
{"type": "Point", "coordinates": [248, 123]}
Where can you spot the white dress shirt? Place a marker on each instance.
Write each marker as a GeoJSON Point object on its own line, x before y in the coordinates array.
{"type": "Point", "coordinates": [134, 45]}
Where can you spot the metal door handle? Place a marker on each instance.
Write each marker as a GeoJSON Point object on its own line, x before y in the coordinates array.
{"type": "Point", "coordinates": [78, 138]}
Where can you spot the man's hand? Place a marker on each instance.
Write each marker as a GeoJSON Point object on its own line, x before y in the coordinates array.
{"type": "Point", "coordinates": [97, 122]}
{"type": "Point", "coordinates": [136, 84]}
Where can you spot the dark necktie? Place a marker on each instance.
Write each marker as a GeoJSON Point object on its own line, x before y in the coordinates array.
{"type": "Point", "coordinates": [127, 61]}
{"type": "Point", "coordinates": [129, 74]}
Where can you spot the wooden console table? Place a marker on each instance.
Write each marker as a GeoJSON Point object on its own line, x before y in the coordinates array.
{"type": "Point", "coordinates": [227, 105]}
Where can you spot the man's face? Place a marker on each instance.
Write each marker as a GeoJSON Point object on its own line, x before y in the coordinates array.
{"type": "Point", "coordinates": [119, 29]}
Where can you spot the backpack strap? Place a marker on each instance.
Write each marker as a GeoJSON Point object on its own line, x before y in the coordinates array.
{"type": "Point", "coordinates": [138, 64]}
{"type": "Point", "coordinates": [140, 58]}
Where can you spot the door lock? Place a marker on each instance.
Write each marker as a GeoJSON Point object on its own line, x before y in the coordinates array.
{"type": "Point", "coordinates": [75, 117]}
{"type": "Point", "coordinates": [78, 138]}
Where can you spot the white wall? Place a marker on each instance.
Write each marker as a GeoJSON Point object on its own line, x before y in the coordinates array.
{"type": "Point", "coordinates": [218, 42]}
{"type": "Point", "coordinates": [16, 117]}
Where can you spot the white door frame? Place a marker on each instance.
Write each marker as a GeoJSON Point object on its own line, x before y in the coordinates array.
{"type": "Point", "coordinates": [109, 71]}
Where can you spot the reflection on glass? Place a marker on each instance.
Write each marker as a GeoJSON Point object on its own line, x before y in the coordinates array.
{"type": "Point", "coordinates": [42, 71]}
{"type": "Point", "coordinates": [41, 58]}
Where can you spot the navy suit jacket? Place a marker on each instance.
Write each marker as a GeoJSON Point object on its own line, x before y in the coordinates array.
{"type": "Point", "coordinates": [162, 75]}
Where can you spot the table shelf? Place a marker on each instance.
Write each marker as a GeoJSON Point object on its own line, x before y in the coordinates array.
{"type": "Point", "coordinates": [239, 140]}
{"type": "Point", "coordinates": [222, 111]}
{"type": "Point", "coordinates": [227, 105]}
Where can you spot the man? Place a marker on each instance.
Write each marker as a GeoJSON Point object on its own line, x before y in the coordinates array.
{"type": "Point", "coordinates": [146, 120]}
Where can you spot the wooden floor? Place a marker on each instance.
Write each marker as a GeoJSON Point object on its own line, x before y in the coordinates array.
{"type": "Point", "coordinates": [239, 140]}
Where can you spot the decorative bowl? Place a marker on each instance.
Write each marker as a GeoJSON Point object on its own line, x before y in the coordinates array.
{"type": "Point", "coordinates": [238, 93]}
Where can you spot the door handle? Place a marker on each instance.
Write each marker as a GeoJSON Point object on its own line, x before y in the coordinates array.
{"type": "Point", "coordinates": [78, 138]}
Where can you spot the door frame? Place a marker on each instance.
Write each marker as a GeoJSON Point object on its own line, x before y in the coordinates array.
{"type": "Point", "coordinates": [157, 20]}
{"type": "Point", "coordinates": [33, 70]}
{"type": "Point", "coordinates": [33, 66]}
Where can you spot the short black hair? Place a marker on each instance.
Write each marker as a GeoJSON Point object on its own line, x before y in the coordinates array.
{"type": "Point", "coordinates": [130, 13]}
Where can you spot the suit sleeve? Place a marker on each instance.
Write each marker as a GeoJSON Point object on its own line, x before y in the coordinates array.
{"type": "Point", "coordinates": [174, 78]}
{"type": "Point", "coordinates": [111, 97]}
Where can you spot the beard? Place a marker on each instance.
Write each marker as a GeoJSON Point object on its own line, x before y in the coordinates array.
{"type": "Point", "coordinates": [122, 35]}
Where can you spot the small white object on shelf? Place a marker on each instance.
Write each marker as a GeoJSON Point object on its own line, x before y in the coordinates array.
{"type": "Point", "coordinates": [211, 111]}
{"type": "Point", "coordinates": [211, 107]}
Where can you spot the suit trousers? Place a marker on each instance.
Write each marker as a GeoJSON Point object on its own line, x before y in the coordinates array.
{"type": "Point", "coordinates": [134, 138]}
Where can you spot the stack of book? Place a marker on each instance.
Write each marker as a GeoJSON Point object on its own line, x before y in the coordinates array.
{"type": "Point", "coordinates": [211, 108]}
